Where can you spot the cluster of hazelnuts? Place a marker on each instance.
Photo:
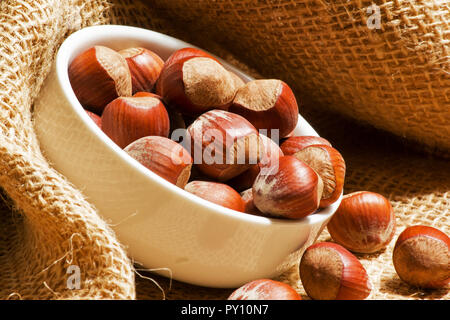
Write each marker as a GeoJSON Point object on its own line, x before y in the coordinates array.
{"type": "Point", "coordinates": [139, 100]}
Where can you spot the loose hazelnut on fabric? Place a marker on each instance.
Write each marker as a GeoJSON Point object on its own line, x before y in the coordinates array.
{"type": "Point", "coordinates": [164, 157]}
{"type": "Point", "coordinates": [363, 223]}
{"type": "Point", "coordinates": [422, 257]}
{"type": "Point", "coordinates": [265, 289]}
{"type": "Point", "coordinates": [330, 272]}
{"type": "Point", "coordinates": [267, 104]}
{"type": "Point", "coordinates": [217, 193]}
{"type": "Point", "coordinates": [330, 166]}
{"type": "Point", "coordinates": [195, 84]}
{"type": "Point", "coordinates": [295, 144]}
{"type": "Point", "coordinates": [224, 144]}
{"type": "Point", "coordinates": [145, 67]}
{"type": "Point", "coordinates": [289, 189]}
{"type": "Point", "coordinates": [271, 152]}
{"type": "Point", "coordinates": [98, 76]}
{"type": "Point", "coordinates": [127, 119]}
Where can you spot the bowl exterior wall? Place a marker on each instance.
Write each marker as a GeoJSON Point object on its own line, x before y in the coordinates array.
{"type": "Point", "coordinates": [161, 225]}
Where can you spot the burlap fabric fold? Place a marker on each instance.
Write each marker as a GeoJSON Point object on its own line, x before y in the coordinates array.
{"type": "Point", "coordinates": [50, 232]}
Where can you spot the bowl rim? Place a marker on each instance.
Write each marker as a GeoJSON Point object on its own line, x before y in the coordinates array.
{"type": "Point", "coordinates": [108, 33]}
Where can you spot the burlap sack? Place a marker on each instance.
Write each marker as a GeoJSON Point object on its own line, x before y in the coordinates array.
{"type": "Point", "coordinates": [50, 234]}
{"type": "Point", "coordinates": [384, 62]}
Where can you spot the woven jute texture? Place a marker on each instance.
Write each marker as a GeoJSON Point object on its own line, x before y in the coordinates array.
{"type": "Point", "coordinates": [49, 231]}
{"type": "Point", "coordinates": [386, 62]}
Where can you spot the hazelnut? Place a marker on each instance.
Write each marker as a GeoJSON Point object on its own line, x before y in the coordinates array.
{"type": "Point", "coordinates": [364, 222]}
{"type": "Point", "coordinates": [271, 152]}
{"type": "Point", "coordinates": [98, 76]}
{"type": "Point", "coordinates": [330, 272]}
{"type": "Point", "coordinates": [164, 157]}
{"type": "Point", "coordinates": [97, 120]}
{"type": "Point", "coordinates": [217, 193]}
{"type": "Point", "coordinates": [330, 166]}
{"type": "Point", "coordinates": [295, 144]}
{"type": "Point", "coordinates": [290, 189]}
{"type": "Point", "coordinates": [422, 257]}
{"type": "Point", "coordinates": [141, 94]}
{"type": "Point", "coordinates": [145, 67]}
{"type": "Point", "coordinates": [249, 205]}
{"type": "Point", "coordinates": [175, 118]}
{"type": "Point", "coordinates": [185, 53]}
{"type": "Point", "coordinates": [267, 104]}
{"type": "Point", "coordinates": [224, 144]}
{"type": "Point", "coordinates": [238, 82]}
{"type": "Point", "coordinates": [265, 289]}
{"type": "Point", "coordinates": [127, 119]}
{"type": "Point", "coordinates": [195, 84]}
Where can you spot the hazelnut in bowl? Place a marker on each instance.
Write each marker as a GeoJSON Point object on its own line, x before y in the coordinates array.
{"type": "Point", "coordinates": [161, 224]}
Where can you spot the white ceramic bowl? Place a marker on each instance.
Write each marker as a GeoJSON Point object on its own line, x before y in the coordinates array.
{"type": "Point", "coordinates": [161, 225]}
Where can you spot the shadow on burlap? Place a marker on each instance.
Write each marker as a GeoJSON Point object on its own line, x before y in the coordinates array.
{"type": "Point", "coordinates": [47, 225]}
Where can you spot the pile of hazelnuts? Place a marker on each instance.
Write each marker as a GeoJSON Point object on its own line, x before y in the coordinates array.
{"type": "Point", "coordinates": [139, 100]}
{"type": "Point", "coordinates": [234, 128]}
